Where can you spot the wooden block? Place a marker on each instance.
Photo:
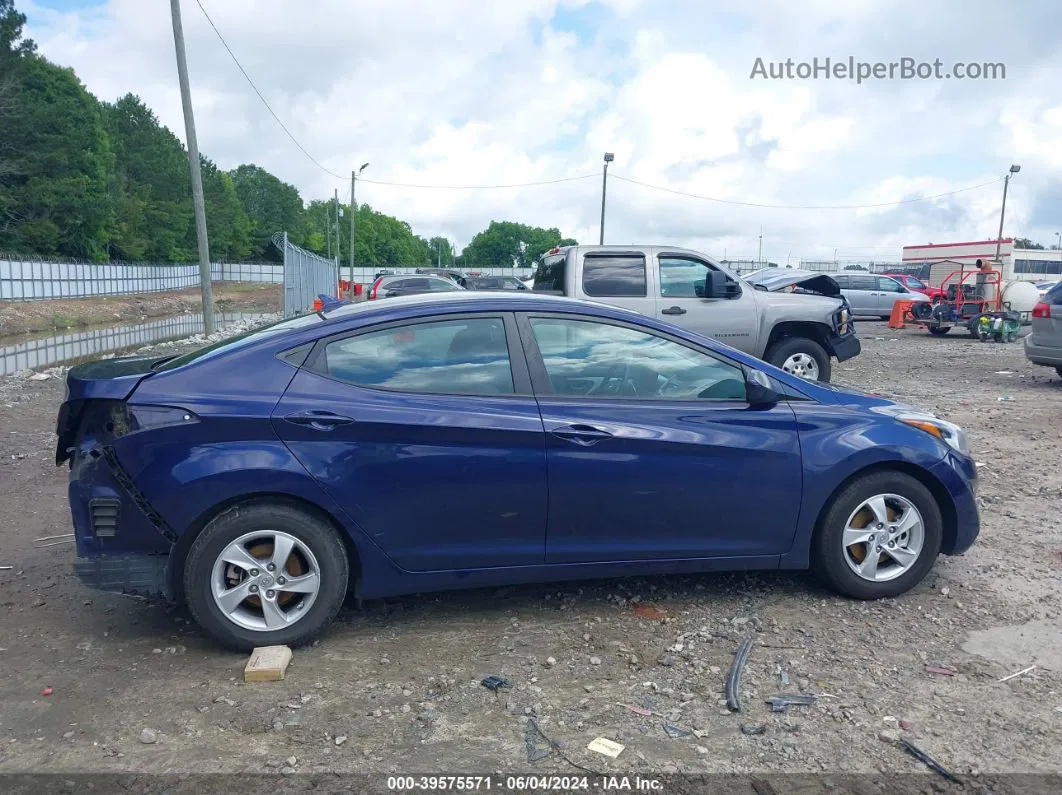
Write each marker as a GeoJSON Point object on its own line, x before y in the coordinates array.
{"type": "Point", "coordinates": [267, 664]}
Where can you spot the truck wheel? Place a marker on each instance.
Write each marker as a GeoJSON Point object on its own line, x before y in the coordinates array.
{"type": "Point", "coordinates": [266, 574]}
{"type": "Point", "coordinates": [802, 357]}
{"type": "Point", "coordinates": [879, 537]}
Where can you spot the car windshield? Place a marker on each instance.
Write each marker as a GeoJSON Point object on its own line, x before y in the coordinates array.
{"type": "Point", "coordinates": [915, 283]}
{"type": "Point", "coordinates": [238, 341]}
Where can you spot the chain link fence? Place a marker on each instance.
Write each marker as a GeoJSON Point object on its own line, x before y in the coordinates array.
{"type": "Point", "coordinates": [306, 276]}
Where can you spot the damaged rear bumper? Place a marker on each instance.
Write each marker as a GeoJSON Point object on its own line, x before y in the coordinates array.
{"type": "Point", "coordinates": [132, 574]}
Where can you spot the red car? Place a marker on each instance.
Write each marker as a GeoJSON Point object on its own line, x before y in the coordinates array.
{"type": "Point", "coordinates": [917, 285]}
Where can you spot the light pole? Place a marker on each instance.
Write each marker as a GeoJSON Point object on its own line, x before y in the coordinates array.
{"type": "Point", "coordinates": [1003, 209]}
{"type": "Point", "coordinates": [353, 214]}
{"type": "Point", "coordinates": [1058, 245]}
{"type": "Point", "coordinates": [609, 157]}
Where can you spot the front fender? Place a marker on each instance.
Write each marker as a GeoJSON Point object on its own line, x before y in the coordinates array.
{"type": "Point", "coordinates": [835, 445]}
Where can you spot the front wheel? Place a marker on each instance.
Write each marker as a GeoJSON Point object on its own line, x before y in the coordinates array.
{"type": "Point", "coordinates": [879, 537]}
{"type": "Point", "coordinates": [802, 357]}
{"type": "Point", "coordinates": [266, 574]}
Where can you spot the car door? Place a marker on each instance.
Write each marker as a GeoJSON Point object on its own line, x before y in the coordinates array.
{"type": "Point", "coordinates": [427, 434]}
{"type": "Point", "coordinates": [680, 300]}
{"type": "Point", "coordinates": [653, 452]}
{"type": "Point", "coordinates": [889, 292]}
{"type": "Point", "coordinates": [861, 294]}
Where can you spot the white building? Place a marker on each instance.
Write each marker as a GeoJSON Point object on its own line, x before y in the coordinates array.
{"type": "Point", "coordinates": [1022, 264]}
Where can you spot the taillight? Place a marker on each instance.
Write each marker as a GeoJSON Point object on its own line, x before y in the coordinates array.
{"type": "Point", "coordinates": [1042, 309]}
{"type": "Point", "coordinates": [375, 285]}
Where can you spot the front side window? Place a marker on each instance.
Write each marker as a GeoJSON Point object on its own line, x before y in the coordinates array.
{"type": "Point", "coordinates": [885, 284]}
{"type": "Point", "coordinates": [682, 278]}
{"type": "Point", "coordinates": [589, 358]}
{"type": "Point", "coordinates": [915, 284]}
{"type": "Point", "coordinates": [441, 286]}
{"type": "Point", "coordinates": [614, 276]}
{"type": "Point", "coordinates": [457, 357]}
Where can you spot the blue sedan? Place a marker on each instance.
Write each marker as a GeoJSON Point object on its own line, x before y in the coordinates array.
{"type": "Point", "coordinates": [432, 442]}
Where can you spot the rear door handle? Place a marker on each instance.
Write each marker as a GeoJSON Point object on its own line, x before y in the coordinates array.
{"type": "Point", "coordinates": [319, 420]}
{"type": "Point", "coordinates": [673, 310]}
{"type": "Point", "coordinates": [585, 435]}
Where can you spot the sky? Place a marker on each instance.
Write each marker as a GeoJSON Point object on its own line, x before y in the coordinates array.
{"type": "Point", "coordinates": [454, 95]}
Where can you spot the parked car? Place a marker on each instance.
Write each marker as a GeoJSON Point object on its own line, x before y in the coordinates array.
{"type": "Point", "coordinates": [1043, 344]}
{"type": "Point", "coordinates": [446, 273]}
{"type": "Point", "coordinates": [1043, 287]}
{"type": "Point", "coordinates": [260, 478]}
{"type": "Point", "coordinates": [492, 283]}
{"type": "Point", "coordinates": [916, 285]}
{"type": "Point", "coordinates": [871, 294]}
{"type": "Point", "coordinates": [394, 286]}
{"type": "Point", "coordinates": [800, 334]}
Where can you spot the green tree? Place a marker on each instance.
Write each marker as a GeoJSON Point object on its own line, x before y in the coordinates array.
{"type": "Point", "coordinates": [58, 192]}
{"type": "Point", "coordinates": [228, 227]}
{"type": "Point", "coordinates": [153, 204]}
{"type": "Point", "coordinates": [272, 206]}
{"type": "Point", "coordinates": [440, 251]}
{"type": "Point", "coordinates": [1024, 242]}
{"type": "Point", "coordinates": [13, 50]}
{"type": "Point", "coordinates": [509, 244]}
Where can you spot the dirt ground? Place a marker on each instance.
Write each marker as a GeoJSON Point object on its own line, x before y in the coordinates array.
{"type": "Point", "coordinates": [394, 687]}
{"type": "Point", "coordinates": [25, 317]}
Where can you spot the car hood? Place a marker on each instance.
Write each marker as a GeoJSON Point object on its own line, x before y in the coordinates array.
{"type": "Point", "coordinates": [853, 398]}
{"type": "Point", "coordinates": [782, 280]}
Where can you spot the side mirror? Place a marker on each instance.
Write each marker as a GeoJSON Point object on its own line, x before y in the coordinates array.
{"type": "Point", "coordinates": [760, 287]}
{"type": "Point", "coordinates": [717, 285]}
{"type": "Point", "coordinates": [758, 389]}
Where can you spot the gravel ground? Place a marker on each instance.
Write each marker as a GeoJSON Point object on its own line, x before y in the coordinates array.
{"type": "Point", "coordinates": [394, 686]}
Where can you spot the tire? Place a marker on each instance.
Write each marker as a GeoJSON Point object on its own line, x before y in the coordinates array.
{"type": "Point", "coordinates": [782, 350]}
{"type": "Point", "coordinates": [939, 331]}
{"type": "Point", "coordinates": [316, 546]}
{"type": "Point", "coordinates": [830, 559]}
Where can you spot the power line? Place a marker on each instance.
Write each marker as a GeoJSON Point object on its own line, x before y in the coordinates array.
{"type": "Point", "coordinates": [236, 61]}
{"type": "Point", "coordinates": [480, 187]}
{"type": "Point", "coordinates": [806, 206]}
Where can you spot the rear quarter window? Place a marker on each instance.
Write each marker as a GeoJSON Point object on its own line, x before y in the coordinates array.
{"type": "Point", "coordinates": [549, 276]}
{"type": "Point", "coordinates": [1054, 295]}
{"type": "Point", "coordinates": [614, 276]}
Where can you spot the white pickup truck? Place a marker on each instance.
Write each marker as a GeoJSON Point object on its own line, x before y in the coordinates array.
{"type": "Point", "coordinates": [799, 332]}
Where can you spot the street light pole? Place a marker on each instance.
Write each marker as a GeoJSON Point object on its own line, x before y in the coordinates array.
{"type": "Point", "coordinates": [353, 213]}
{"type": "Point", "coordinates": [198, 203]}
{"type": "Point", "coordinates": [609, 157]}
{"type": "Point", "coordinates": [1003, 209]}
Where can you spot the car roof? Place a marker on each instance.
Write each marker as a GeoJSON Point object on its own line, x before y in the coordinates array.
{"type": "Point", "coordinates": [468, 300]}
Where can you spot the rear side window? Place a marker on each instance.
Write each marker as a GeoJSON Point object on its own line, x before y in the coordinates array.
{"type": "Point", "coordinates": [614, 276]}
{"type": "Point", "coordinates": [456, 357]}
{"type": "Point", "coordinates": [1054, 295]}
{"type": "Point", "coordinates": [864, 283]}
{"type": "Point", "coordinates": [549, 276]}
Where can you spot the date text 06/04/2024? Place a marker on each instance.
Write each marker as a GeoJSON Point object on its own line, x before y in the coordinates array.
{"type": "Point", "coordinates": [523, 783]}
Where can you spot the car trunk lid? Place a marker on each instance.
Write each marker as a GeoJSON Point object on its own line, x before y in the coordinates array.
{"type": "Point", "coordinates": [106, 379]}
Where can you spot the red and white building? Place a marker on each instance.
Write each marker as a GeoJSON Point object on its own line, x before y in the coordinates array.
{"type": "Point", "coordinates": [1020, 264]}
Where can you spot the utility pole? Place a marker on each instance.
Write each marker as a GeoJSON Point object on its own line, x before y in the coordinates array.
{"type": "Point", "coordinates": [339, 248]}
{"type": "Point", "coordinates": [759, 256]}
{"type": "Point", "coordinates": [353, 213]}
{"type": "Point", "coordinates": [609, 157]}
{"type": "Point", "coordinates": [197, 177]}
{"type": "Point", "coordinates": [1003, 209]}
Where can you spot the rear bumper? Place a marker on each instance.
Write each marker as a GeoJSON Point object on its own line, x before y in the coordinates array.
{"type": "Point", "coordinates": [1048, 356]}
{"type": "Point", "coordinates": [135, 574]}
{"type": "Point", "coordinates": [844, 348]}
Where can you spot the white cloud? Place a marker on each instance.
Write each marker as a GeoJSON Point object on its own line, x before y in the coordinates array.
{"type": "Point", "coordinates": [468, 92]}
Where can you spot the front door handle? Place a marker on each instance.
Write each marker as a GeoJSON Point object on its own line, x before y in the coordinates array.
{"type": "Point", "coordinates": [319, 420]}
{"type": "Point", "coordinates": [673, 310]}
{"type": "Point", "coordinates": [585, 435]}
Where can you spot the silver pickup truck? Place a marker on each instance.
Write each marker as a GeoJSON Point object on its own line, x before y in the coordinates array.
{"type": "Point", "coordinates": [798, 332]}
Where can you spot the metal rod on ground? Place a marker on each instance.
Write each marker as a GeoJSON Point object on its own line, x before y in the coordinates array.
{"type": "Point", "coordinates": [197, 177]}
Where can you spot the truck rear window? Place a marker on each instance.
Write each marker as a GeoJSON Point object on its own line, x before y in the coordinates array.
{"type": "Point", "coordinates": [614, 276]}
{"type": "Point", "coordinates": [549, 276]}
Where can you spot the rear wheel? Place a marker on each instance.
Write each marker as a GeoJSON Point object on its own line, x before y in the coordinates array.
{"type": "Point", "coordinates": [879, 536]}
{"type": "Point", "coordinates": [802, 357]}
{"type": "Point", "coordinates": [265, 574]}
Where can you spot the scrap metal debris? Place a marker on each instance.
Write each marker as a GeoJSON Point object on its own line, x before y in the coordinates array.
{"type": "Point", "coordinates": [733, 679]}
{"type": "Point", "coordinates": [782, 703]}
{"type": "Point", "coordinates": [556, 747]}
{"type": "Point", "coordinates": [929, 761]}
{"type": "Point", "coordinates": [940, 670]}
{"type": "Point", "coordinates": [753, 729]}
{"type": "Point", "coordinates": [674, 731]}
{"type": "Point", "coordinates": [638, 710]}
{"type": "Point", "coordinates": [495, 683]}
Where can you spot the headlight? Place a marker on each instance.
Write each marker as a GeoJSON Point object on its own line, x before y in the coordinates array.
{"type": "Point", "coordinates": [948, 432]}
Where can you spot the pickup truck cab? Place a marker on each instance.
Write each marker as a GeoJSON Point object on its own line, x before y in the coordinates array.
{"type": "Point", "coordinates": [799, 333]}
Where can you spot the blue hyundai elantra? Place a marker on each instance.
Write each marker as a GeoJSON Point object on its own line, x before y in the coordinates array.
{"type": "Point", "coordinates": [479, 439]}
